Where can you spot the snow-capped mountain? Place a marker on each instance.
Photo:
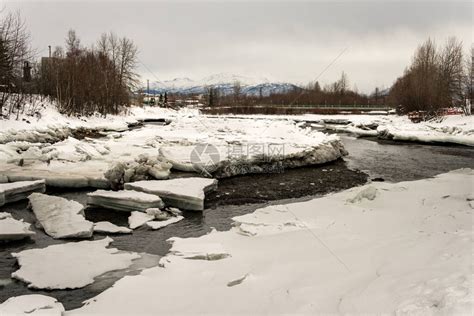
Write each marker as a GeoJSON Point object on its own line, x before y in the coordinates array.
{"type": "Point", "coordinates": [224, 83]}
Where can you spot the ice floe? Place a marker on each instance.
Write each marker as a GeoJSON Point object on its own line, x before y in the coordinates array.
{"type": "Point", "coordinates": [70, 265]}
{"type": "Point", "coordinates": [183, 193]}
{"type": "Point", "coordinates": [16, 191]}
{"type": "Point", "coordinates": [32, 304]}
{"type": "Point", "coordinates": [160, 224]}
{"type": "Point", "coordinates": [59, 217]}
{"type": "Point", "coordinates": [108, 227]}
{"type": "Point", "coordinates": [137, 219]}
{"type": "Point", "coordinates": [126, 200]}
{"type": "Point", "coordinates": [12, 229]}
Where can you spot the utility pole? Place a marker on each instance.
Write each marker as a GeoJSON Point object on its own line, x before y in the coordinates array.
{"type": "Point", "coordinates": [49, 47]}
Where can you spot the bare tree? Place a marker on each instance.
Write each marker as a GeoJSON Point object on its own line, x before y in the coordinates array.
{"type": "Point", "coordinates": [16, 39]}
{"type": "Point", "coordinates": [452, 70]}
{"type": "Point", "coordinates": [469, 82]}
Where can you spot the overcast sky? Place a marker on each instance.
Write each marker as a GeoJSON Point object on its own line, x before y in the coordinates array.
{"type": "Point", "coordinates": [291, 41]}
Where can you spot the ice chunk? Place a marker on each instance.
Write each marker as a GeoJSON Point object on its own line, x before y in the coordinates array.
{"type": "Point", "coordinates": [158, 214]}
{"type": "Point", "coordinates": [33, 304]}
{"type": "Point", "coordinates": [183, 193]}
{"type": "Point", "coordinates": [108, 227]}
{"type": "Point", "coordinates": [127, 201]}
{"type": "Point", "coordinates": [161, 224]}
{"type": "Point", "coordinates": [12, 229]}
{"type": "Point", "coordinates": [70, 265]}
{"type": "Point", "coordinates": [368, 193]}
{"type": "Point", "coordinates": [16, 191]}
{"type": "Point", "coordinates": [60, 218]}
{"type": "Point", "coordinates": [61, 180]}
{"type": "Point", "coordinates": [143, 167]}
{"type": "Point", "coordinates": [137, 219]}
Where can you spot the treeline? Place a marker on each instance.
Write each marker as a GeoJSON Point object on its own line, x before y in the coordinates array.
{"type": "Point", "coordinates": [336, 93]}
{"type": "Point", "coordinates": [82, 80]}
{"type": "Point", "coordinates": [87, 80]}
{"type": "Point", "coordinates": [14, 51]}
{"type": "Point", "coordinates": [438, 77]}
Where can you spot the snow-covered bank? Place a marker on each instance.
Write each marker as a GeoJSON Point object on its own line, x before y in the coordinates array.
{"type": "Point", "coordinates": [191, 142]}
{"type": "Point", "coordinates": [379, 249]}
{"type": "Point", "coordinates": [33, 305]}
{"type": "Point", "coordinates": [452, 129]}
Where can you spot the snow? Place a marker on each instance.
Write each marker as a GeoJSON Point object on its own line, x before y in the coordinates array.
{"type": "Point", "coordinates": [160, 224]}
{"type": "Point", "coordinates": [71, 265]}
{"type": "Point", "coordinates": [183, 193]}
{"type": "Point", "coordinates": [137, 219]}
{"type": "Point", "coordinates": [16, 191]}
{"type": "Point", "coordinates": [59, 217]}
{"type": "Point", "coordinates": [127, 200]}
{"type": "Point", "coordinates": [244, 146]}
{"type": "Point", "coordinates": [12, 229]}
{"type": "Point", "coordinates": [33, 304]}
{"type": "Point", "coordinates": [108, 227]}
{"type": "Point", "coordinates": [406, 251]}
{"type": "Point", "coordinates": [453, 129]}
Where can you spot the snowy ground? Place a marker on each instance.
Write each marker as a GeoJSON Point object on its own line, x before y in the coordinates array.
{"type": "Point", "coordinates": [36, 151]}
{"type": "Point", "coordinates": [454, 129]}
{"type": "Point", "coordinates": [403, 248]}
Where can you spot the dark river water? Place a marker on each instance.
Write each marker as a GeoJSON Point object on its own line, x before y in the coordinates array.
{"type": "Point", "coordinates": [368, 159]}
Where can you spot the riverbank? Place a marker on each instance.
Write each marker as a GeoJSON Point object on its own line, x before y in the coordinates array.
{"type": "Point", "coordinates": [373, 249]}
{"type": "Point", "coordinates": [451, 129]}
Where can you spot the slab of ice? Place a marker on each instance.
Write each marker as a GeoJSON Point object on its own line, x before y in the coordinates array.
{"type": "Point", "coordinates": [12, 229]}
{"type": "Point", "coordinates": [33, 304]}
{"type": "Point", "coordinates": [183, 193]}
{"type": "Point", "coordinates": [161, 224]}
{"type": "Point", "coordinates": [137, 219]}
{"type": "Point", "coordinates": [222, 162]}
{"type": "Point", "coordinates": [108, 227]}
{"type": "Point", "coordinates": [59, 217]}
{"type": "Point", "coordinates": [16, 191]}
{"type": "Point", "coordinates": [127, 200]}
{"type": "Point", "coordinates": [70, 265]}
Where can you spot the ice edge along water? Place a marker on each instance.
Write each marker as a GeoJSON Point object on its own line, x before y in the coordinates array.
{"type": "Point", "coordinates": [381, 248]}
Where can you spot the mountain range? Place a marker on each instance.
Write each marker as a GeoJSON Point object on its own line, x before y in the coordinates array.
{"type": "Point", "coordinates": [224, 83]}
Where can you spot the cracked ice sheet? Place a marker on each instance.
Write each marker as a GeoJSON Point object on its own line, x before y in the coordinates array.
{"type": "Point", "coordinates": [408, 249]}
{"type": "Point", "coordinates": [70, 265]}
{"type": "Point", "coordinates": [33, 304]}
